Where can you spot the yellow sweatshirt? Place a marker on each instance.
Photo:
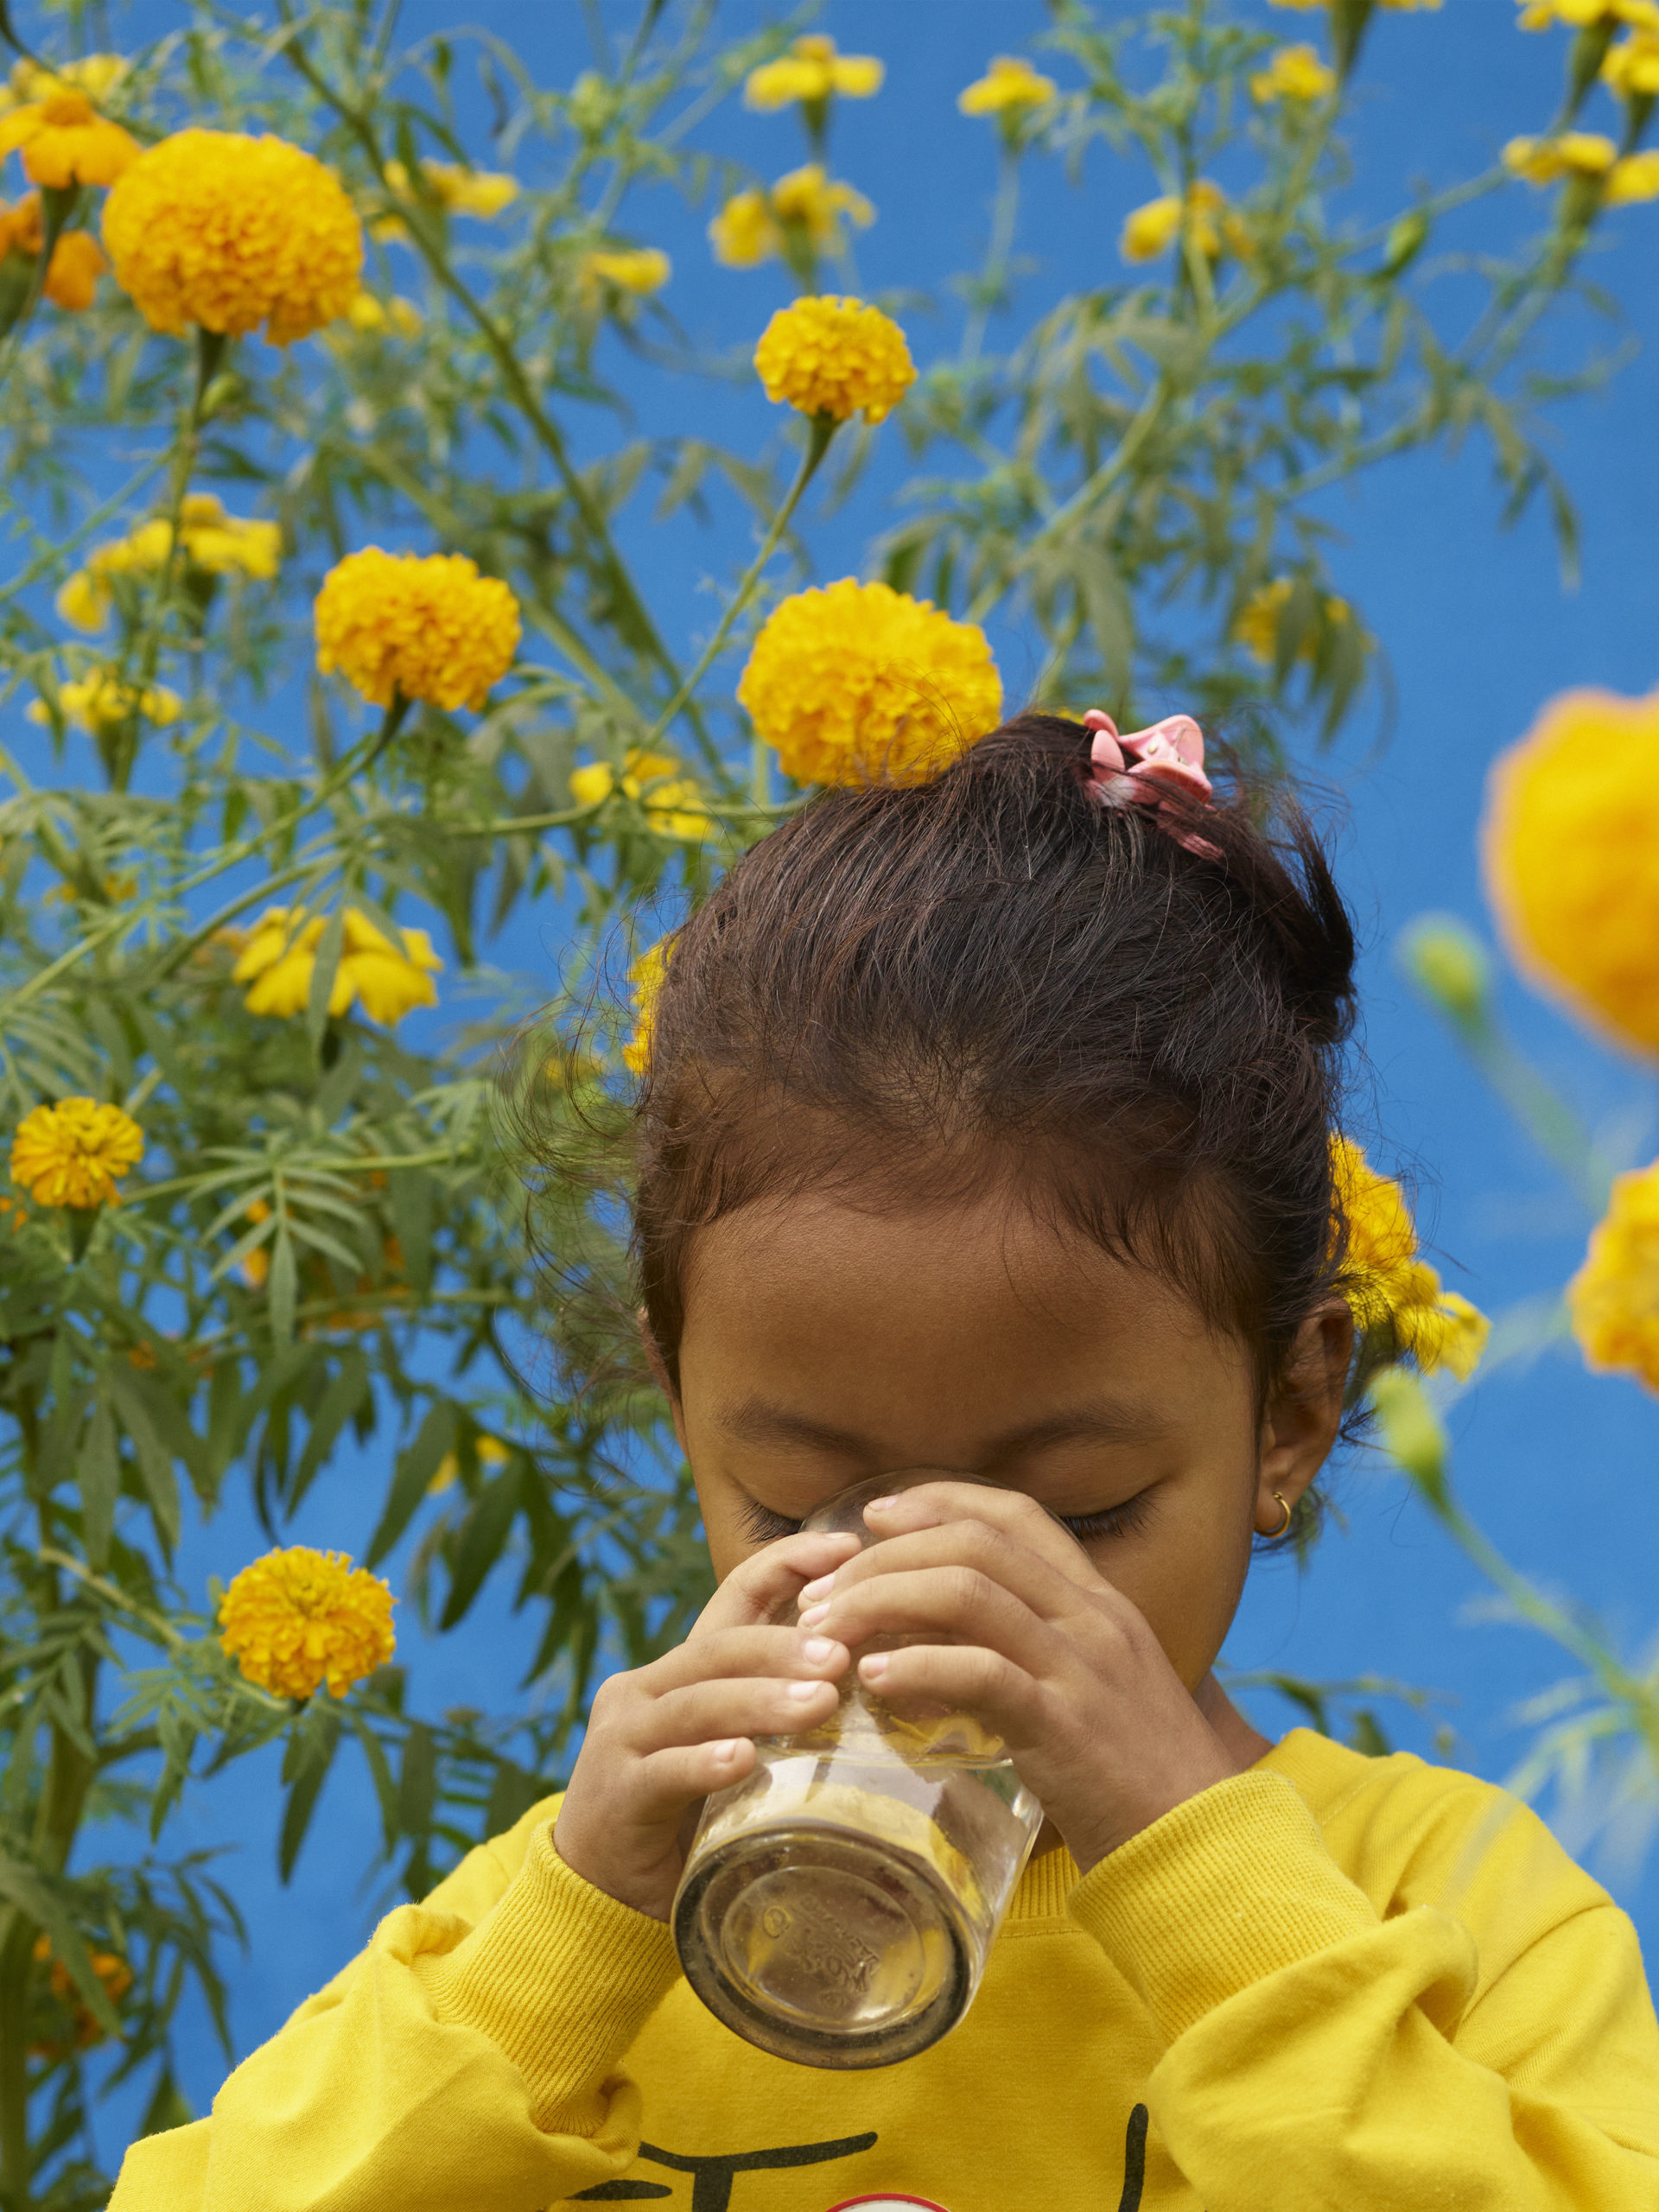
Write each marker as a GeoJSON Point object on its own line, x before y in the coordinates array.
{"type": "Point", "coordinates": [1333, 1982]}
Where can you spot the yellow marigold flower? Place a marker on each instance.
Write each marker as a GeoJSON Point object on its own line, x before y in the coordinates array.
{"type": "Point", "coordinates": [299, 1618]}
{"type": "Point", "coordinates": [97, 75]}
{"type": "Point", "coordinates": [1390, 1288]}
{"type": "Point", "coordinates": [1631, 69]}
{"type": "Point", "coordinates": [1294, 72]}
{"type": "Point", "coordinates": [674, 805]}
{"type": "Point", "coordinates": [398, 315]}
{"type": "Point", "coordinates": [101, 700]}
{"type": "Point", "coordinates": [645, 982]}
{"type": "Point", "coordinates": [1153, 229]}
{"type": "Point", "coordinates": [489, 1451]}
{"type": "Point", "coordinates": [1570, 843]}
{"type": "Point", "coordinates": [213, 542]}
{"type": "Point", "coordinates": [66, 141]}
{"type": "Point", "coordinates": [1257, 627]}
{"type": "Point", "coordinates": [1009, 86]}
{"type": "Point", "coordinates": [388, 981]}
{"type": "Point", "coordinates": [429, 627]}
{"type": "Point", "coordinates": [1575, 153]}
{"type": "Point", "coordinates": [75, 1153]}
{"type": "Point", "coordinates": [636, 269]}
{"type": "Point", "coordinates": [812, 71]}
{"type": "Point", "coordinates": [806, 205]}
{"type": "Point", "coordinates": [825, 355]}
{"type": "Point", "coordinates": [859, 684]}
{"type": "Point", "coordinates": [744, 232]}
{"type": "Point", "coordinates": [1582, 15]}
{"type": "Point", "coordinates": [1614, 1297]}
{"type": "Point", "coordinates": [1636, 177]}
{"type": "Point", "coordinates": [228, 232]}
{"type": "Point", "coordinates": [483, 193]}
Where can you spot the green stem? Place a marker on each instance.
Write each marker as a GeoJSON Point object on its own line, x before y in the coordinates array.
{"type": "Point", "coordinates": [823, 431]}
{"type": "Point", "coordinates": [1005, 214]}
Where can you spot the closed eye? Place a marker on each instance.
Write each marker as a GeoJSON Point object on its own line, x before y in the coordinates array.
{"type": "Point", "coordinates": [762, 1526]}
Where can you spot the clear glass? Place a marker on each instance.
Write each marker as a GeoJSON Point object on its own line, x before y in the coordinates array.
{"type": "Point", "coordinates": [839, 1903]}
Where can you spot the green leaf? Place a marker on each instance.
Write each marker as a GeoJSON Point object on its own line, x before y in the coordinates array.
{"type": "Point", "coordinates": [311, 1752]}
{"type": "Point", "coordinates": [415, 1467]}
{"type": "Point", "coordinates": [322, 977]}
{"type": "Point", "coordinates": [98, 1476]}
{"type": "Point", "coordinates": [154, 1460]}
{"type": "Point", "coordinates": [418, 1781]}
{"type": "Point", "coordinates": [22, 1886]}
{"type": "Point", "coordinates": [346, 1392]}
{"type": "Point", "coordinates": [479, 1545]}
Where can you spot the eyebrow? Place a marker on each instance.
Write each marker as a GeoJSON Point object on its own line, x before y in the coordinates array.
{"type": "Point", "coordinates": [762, 1420]}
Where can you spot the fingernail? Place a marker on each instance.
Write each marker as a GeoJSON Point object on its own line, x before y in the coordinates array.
{"type": "Point", "coordinates": [820, 1588]}
{"type": "Point", "coordinates": [800, 1692]}
{"type": "Point", "coordinates": [726, 1752]}
{"type": "Point", "coordinates": [816, 1649]}
{"type": "Point", "coordinates": [881, 1504]}
{"type": "Point", "coordinates": [813, 1615]}
{"type": "Point", "coordinates": [874, 1667]}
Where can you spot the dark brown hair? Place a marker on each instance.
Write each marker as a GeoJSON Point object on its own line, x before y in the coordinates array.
{"type": "Point", "coordinates": [993, 978]}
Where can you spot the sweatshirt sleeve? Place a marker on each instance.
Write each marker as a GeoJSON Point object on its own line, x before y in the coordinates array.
{"type": "Point", "coordinates": [472, 2054]}
{"type": "Point", "coordinates": [1318, 2054]}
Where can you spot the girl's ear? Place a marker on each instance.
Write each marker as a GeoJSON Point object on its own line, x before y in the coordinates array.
{"type": "Point", "coordinates": [1304, 1409]}
{"type": "Point", "coordinates": [659, 1372]}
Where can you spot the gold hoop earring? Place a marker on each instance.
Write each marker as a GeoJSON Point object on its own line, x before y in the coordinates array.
{"type": "Point", "coordinates": [1284, 1526]}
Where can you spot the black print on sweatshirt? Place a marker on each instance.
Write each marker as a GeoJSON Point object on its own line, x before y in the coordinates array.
{"type": "Point", "coordinates": [713, 2178]}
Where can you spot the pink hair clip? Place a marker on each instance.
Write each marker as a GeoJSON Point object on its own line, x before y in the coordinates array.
{"type": "Point", "coordinates": [1139, 768]}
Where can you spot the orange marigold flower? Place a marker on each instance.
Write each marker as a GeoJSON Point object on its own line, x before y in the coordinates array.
{"type": "Point", "coordinates": [299, 1618]}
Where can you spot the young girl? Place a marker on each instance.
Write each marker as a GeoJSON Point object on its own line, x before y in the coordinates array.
{"type": "Point", "coordinates": [988, 1128]}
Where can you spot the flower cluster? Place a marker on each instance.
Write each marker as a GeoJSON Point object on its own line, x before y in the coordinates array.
{"type": "Point", "coordinates": [75, 1153]}
{"type": "Point", "coordinates": [458, 191]}
{"type": "Point", "coordinates": [811, 73]}
{"type": "Point", "coordinates": [424, 626]}
{"type": "Point", "coordinates": [802, 211]}
{"type": "Point", "coordinates": [644, 982]}
{"type": "Point", "coordinates": [228, 232]}
{"type": "Point", "coordinates": [65, 140]}
{"type": "Point", "coordinates": [1009, 87]}
{"type": "Point", "coordinates": [105, 701]}
{"type": "Point", "coordinates": [1202, 214]}
{"type": "Point", "coordinates": [1614, 1297]}
{"type": "Point", "coordinates": [1257, 627]}
{"type": "Point", "coordinates": [1395, 1296]}
{"type": "Point", "coordinates": [1295, 73]}
{"type": "Point", "coordinates": [1571, 847]}
{"type": "Point", "coordinates": [836, 356]}
{"type": "Point", "coordinates": [77, 260]}
{"type": "Point", "coordinates": [674, 805]}
{"type": "Point", "coordinates": [1586, 153]}
{"type": "Point", "coordinates": [278, 958]}
{"type": "Point", "coordinates": [299, 1618]}
{"type": "Point", "coordinates": [859, 684]}
{"type": "Point", "coordinates": [213, 543]}
{"type": "Point", "coordinates": [398, 315]}
{"type": "Point", "coordinates": [114, 1976]}
{"type": "Point", "coordinates": [639, 269]}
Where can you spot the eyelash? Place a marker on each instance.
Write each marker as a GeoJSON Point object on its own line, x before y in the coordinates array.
{"type": "Point", "coordinates": [762, 1526]}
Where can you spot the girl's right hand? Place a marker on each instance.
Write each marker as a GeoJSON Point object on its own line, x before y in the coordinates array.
{"type": "Point", "coordinates": [666, 1736]}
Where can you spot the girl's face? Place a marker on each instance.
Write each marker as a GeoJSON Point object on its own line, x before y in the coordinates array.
{"type": "Point", "coordinates": [824, 1344]}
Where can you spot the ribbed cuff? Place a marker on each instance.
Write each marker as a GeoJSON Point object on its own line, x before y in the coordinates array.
{"type": "Point", "coordinates": [562, 1979]}
{"type": "Point", "coordinates": [1222, 1891]}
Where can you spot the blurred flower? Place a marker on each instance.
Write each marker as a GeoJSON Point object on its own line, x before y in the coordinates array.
{"type": "Point", "coordinates": [1449, 964]}
{"type": "Point", "coordinates": [674, 805]}
{"type": "Point", "coordinates": [1581, 15]}
{"type": "Point", "coordinates": [805, 207]}
{"type": "Point", "coordinates": [1571, 847]}
{"type": "Point", "coordinates": [634, 269]}
{"type": "Point", "coordinates": [859, 684]}
{"type": "Point", "coordinates": [1294, 72]}
{"type": "Point", "coordinates": [1632, 69]}
{"type": "Point", "coordinates": [812, 71]}
{"type": "Point", "coordinates": [825, 355]}
{"type": "Point", "coordinates": [489, 1451]}
{"type": "Point", "coordinates": [279, 957]}
{"type": "Point", "coordinates": [1636, 177]}
{"type": "Point", "coordinates": [644, 982]}
{"type": "Point", "coordinates": [1257, 627]}
{"type": "Point", "coordinates": [1151, 230]}
{"type": "Point", "coordinates": [1575, 153]}
{"type": "Point", "coordinates": [1410, 1427]}
{"type": "Point", "coordinates": [1009, 86]}
{"type": "Point", "coordinates": [114, 1975]}
{"type": "Point", "coordinates": [427, 627]}
{"type": "Point", "coordinates": [73, 1153]}
{"type": "Point", "coordinates": [1614, 1297]}
{"type": "Point", "coordinates": [103, 701]}
{"type": "Point", "coordinates": [225, 231]}
{"type": "Point", "coordinates": [216, 544]}
{"type": "Point", "coordinates": [77, 261]}
{"type": "Point", "coordinates": [459, 191]}
{"type": "Point", "coordinates": [400, 316]}
{"type": "Point", "coordinates": [298, 1617]}
{"type": "Point", "coordinates": [97, 75]}
{"type": "Point", "coordinates": [65, 140]}
{"type": "Point", "coordinates": [1390, 1290]}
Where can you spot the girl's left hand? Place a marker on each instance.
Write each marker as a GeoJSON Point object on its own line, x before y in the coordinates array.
{"type": "Point", "coordinates": [1099, 1726]}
